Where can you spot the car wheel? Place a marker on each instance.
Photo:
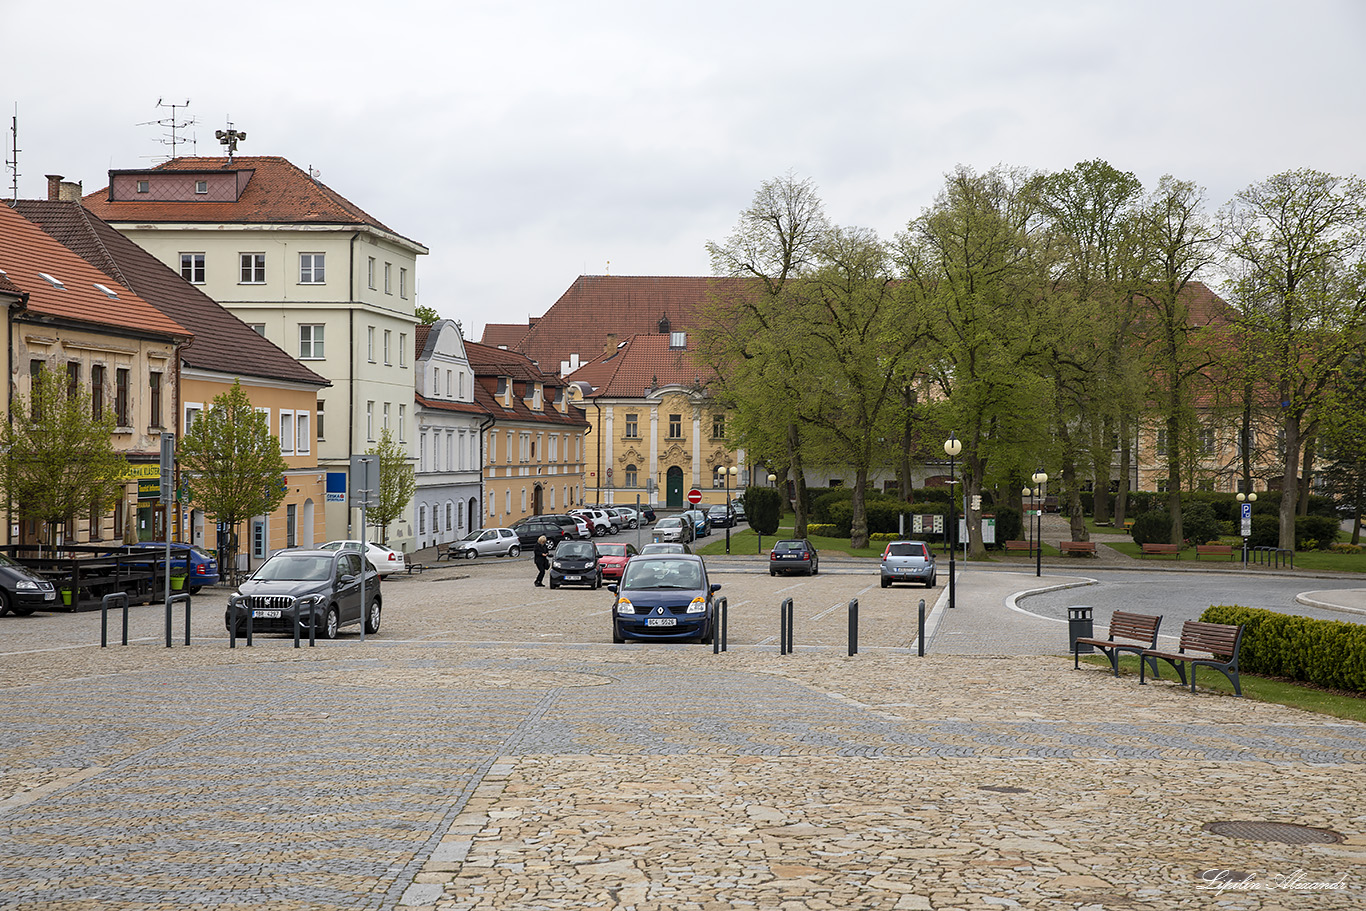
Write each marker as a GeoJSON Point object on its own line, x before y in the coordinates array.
{"type": "Point", "coordinates": [635, 524]}
{"type": "Point", "coordinates": [617, 638]}
{"type": "Point", "coordinates": [886, 583]}
{"type": "Point", "coordinates": [372, 621]}
{"type": "Point", "coordinates": [4, 604]}
{"type": "Point", "coordinates": [514, 551]}
{"type": "Point", "coordinates": [194, 590]}
{"type": "Point", "coordinates": [930, 583]}
{"type": "Point", "coordinates": [815, 568]}
{"type": "Point", "coordinates": [471, 554]}
{"type": "Point", "coordinates": [773, 572]}
{"type": "Point", "coordinates": [554, 584]}
{"type": "Point", "coordinates": [597, 583]}
{"type": "Point", "coordinates": [331, 624]}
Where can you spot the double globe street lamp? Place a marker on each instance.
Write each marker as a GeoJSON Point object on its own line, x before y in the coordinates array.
{"type": "Point", "coordinates": [729, 473]}
{"type": "Point", "coordinates": [952, 446]}
{"type": "Point", "coordinates": [1040, 478]}
{"type": "Point", "coordinates": [1245, 498]}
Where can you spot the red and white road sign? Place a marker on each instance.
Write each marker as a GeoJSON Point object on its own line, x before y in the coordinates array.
{"type": "Point", "coordinates": [694, 496]}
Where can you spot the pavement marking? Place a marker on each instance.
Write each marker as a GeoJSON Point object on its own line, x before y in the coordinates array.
{"type": "Point", "coordinates": [24, 798]}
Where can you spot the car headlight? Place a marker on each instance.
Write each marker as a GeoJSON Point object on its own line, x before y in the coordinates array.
{"type": "Point", "coordinates": [234, 599]}
{"type": "Point", "coordinates": [311, 600]}
{"type": "Point", "coordinates": [698, 605]}
{"type": "Point", "coordinates": [556, 564]}
{"type": "Point", "coordinates": [25, 585]}
{"type": "Point", "coordinates": [624, 606]}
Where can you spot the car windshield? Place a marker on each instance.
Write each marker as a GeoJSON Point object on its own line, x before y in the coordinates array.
{"type": "Point", "coordinates": [789, 546]}
{"type": "Point", "coordinates": [906, 550]}
{"type": "Point", "coordinates": [663, 548]}
{"type": "Point", "coordinates": [685, 574]}
{"type": "Point", "coordinates": [295, 568]}
{"type": "Point", "coordinates": [474, 535]}
{"type": "Point", "coordinates": [579, 549]}
{"type": "Point", "coordinates": [669, 522]}
{"type": "Point", "coordinates": [612, 550]}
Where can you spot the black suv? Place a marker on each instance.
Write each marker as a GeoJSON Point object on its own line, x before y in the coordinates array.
{"type": "Point", "coordinates": [529, 530]}
{"type": "Point", "coordinates": [303, 587]}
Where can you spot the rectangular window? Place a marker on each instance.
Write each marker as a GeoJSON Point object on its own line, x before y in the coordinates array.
{"type": "Point", "coordinates": [386, 415]}
{"type": "Point", "coordinates": [718, 427]}
{"type": "Point", "coordinates": [192, 412]}
{"type": "Point", "coordinates": [143, 186]}
{"type": "Point", "coordinates": [321, 435]}
{"type": "Point", "coordinates": [312, 268]}
{"type": "Point", "coordinates": [96, 521]}
{"type": "Point", "coordinates": [675, 426]}
{"type": "Point", "coordinates": [421, 452]}
{"type": "Point", "coordinates": [118, 519]}
{"type": "Point", "coordinates": [450, 390]}
{"type": "Point", "coordinates": [403, 349]}
{"type": "Point", "coordinates": [1162, 442]}
{"type": "Point", "coordinates": [35, 371]}
{"type": "Point", "coordinates": [201, 187]}
{"type": "Point", "coordinates": [253, 269]}
{"type": "Point", "coordinates": [258, 328]}
{"type": "Point", "coordinates": [97, 391]}
{"type": "Point", "coordinates": [1207, 441]}
{"type": "Point", "coordinates": [387, 337]}
{"type": "Point", "coordinates": [292, 525]}
{"type": "Point", "coordinates": [121, 397]}
{"type": "Point", "coordinates": [370, 421]}
{"type": "Point", "coordinates": [403, 423]}
{"type": "Point", "coordinates": [403, 283]}
{"type": "Point", "coordinates": [73, 379]}
{"type": "Point", "coordinates": [311, 341]}
{"type": "Point", "coordinates": [154, 381]}
{"type": "Point", "coordinates": [633, 426]}
{"type": "Point", "coordinates": [192, 268]}
{"type": "Point", "coordinates": [388, 282]}
{"type": "Point", "coordinates": [258, 538]}
{"type": "Point", "coordinates": [286, 432]}
{"type": "Point", "coordinates": [370, 273]}
{"type": "Point", "coordinates": [370, 344]}
{"type": "Point", "coordinates": [302, 440]}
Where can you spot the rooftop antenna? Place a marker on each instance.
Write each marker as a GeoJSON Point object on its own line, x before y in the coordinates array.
{"type": "Point", "coordinates": [609, 267]}
{"type": "Point", "coordinates": [13, 161]}
{"type": "Point", "coordinates": [230, 138]}
{"type": "Point", "coordinates": [172, 123]}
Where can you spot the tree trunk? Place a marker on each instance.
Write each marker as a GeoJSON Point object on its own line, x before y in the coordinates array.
{"type": "Point", "coordinates": [1246, 431]}
{"type": "Point", "coordinates": [1307, 472]}
{"type": "Point", "coordinates": [1100, 484]}
{"type": "Point", "coordinates": [858, 532]}
{"type": "Point", "coordinates": [1174, 473]}
{"type": "Point", "coordinates": [1290, 481]}
{"type": "Point", "coordinates": [794, 448]}
{"type": "Point", "coordinates": [1125, 461]}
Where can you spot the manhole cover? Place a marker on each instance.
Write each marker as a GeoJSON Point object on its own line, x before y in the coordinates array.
{"type": "Point", "coordinates": [1283, 832]}
{"type": "Point", "coordinates": [1002, 789]}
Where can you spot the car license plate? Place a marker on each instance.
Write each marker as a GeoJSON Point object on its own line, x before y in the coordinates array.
{"type": "Point", "coordinates": [661, 621]}
{"type": "Point", "coordinates": [573, 578]}
{"type": "Point", "coordinates": [49, 596]}
{"type": "Point", "coordinates": [266, 614]}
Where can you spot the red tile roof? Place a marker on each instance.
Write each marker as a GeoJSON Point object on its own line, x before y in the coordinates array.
{"type": "Point", "coordinates": [602, 310]}
{"type": "Point", "coordinates": [504, 335]}
{"type": "Point", "coordinates": [222, 343]}
{"type": "Point", "coordinates": [642, 362]}
{"type": "Point", "coordinates": [275, 192]}
{"type": "Point", "coordinates": [490, 363]}
{"type": "Point", "coordinates": [26, 251]}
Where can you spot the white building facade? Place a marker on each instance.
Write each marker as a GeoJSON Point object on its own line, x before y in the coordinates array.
{"type": "Point", "coordinates": [449, 435]}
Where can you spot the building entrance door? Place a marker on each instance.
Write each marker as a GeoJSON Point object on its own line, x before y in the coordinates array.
{"type": "Point", "coordinates": [674, 488]}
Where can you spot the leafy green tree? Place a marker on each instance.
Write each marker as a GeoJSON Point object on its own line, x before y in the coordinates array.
{"type": "Point", "coordinates": [397, 484]}
{"type": "Point", "coordinates": [426, 315]}
{"type": "Point", "coordinates": [231, 462]}
{"type": "Point", "coordinates": [1344, 442]}
{"type": "Point", "coordinates": [60, 461]}
{"type": "Point", "coordinates": [1298, 242]}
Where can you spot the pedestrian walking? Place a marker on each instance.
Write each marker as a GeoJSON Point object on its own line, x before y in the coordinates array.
{"type": "Point", "coordinates": [542, 559]}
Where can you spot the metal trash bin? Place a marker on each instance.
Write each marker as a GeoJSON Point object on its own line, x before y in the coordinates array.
{"type": "Point", "coordinates": [1079, 626]}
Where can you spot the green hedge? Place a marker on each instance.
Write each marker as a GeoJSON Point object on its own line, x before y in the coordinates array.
{"type": "Point", "coordinates": [1327, 653]}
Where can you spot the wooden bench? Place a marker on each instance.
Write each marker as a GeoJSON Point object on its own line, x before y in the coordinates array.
{"type": "Point", "coordinates": [1139, 629]}
{"type": "Point", "coordinates": [1077, 547]}
{"type": "Point", "coordinates": [1159, 550]}
{"type": "Point", "coordinates": [418, 568]}
{"type": "Point", "coordinates": [1219, 644]}
{"type": "Point", "coordinates": [1020, 545]}
{"type": "Point", "coordinates": [1213, 550]}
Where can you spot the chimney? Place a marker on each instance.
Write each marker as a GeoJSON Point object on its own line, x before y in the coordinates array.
{"type": "Point", "coordinates": [59, 190]}
{"type": "Point", "coordinates": [610, 344]}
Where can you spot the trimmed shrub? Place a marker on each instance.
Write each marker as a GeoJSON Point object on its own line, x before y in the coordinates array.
{"type": "Point", "coordinates": [1199, 524]}
{"type": "Point", "coordinates": [763, 508]}
{"type": "Point", "coordinates": [1266, 531]}
{"type": "Point", "coordinates": [1009, 525]}
{"type": "Point", "coordinates": [1326, 653]}
{"type": "Point", "coordinates": [1152, 527]}
{"type": "Point", "coordinates": [1315, 532]}
{"type": "Point", "coordinates": [821, 531]}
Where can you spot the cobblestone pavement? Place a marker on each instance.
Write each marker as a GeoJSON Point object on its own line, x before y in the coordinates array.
{"type": "Point", "coordinates": [491, 749]}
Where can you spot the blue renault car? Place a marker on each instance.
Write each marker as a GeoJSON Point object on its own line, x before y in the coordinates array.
{"type": "Point", "coordinates": [664, 597]}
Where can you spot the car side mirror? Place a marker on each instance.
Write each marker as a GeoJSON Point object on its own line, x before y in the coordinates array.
{"type": "Point", "coordinates": [347, 577]}
{"type": "Point", "coordinates": [716, 586]}
{"type": "Point", "coordinates": [612, 588]}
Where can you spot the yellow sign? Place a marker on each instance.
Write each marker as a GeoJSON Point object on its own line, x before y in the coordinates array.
{"type": "Point", "coordinates": [143, 471]}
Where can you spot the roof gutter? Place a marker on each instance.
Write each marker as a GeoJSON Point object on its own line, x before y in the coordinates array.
{"type": "Point", "coordinates": [483, 458]}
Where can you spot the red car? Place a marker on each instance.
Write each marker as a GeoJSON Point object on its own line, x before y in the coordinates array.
{"type": "Point", "coordinates": [612, 558]}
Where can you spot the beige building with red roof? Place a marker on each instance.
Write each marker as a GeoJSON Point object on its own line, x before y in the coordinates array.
{"type": "Point", "coordinates": [64, 314]}
{"type": "Point", "coordinates": [307, 269]}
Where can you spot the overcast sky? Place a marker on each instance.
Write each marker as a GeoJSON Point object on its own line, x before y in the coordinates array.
{"type": "Point", "coordinates": [528, 143]}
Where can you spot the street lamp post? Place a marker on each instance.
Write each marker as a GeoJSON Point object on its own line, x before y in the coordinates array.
{"type": "Point", "coordinates": [729, 473]}
{"type": "Point", "coordinates": [1027, 493]}
{"type": "Point", "coordinates": [952, 446]}
{"type": "Point", "coordinates": [1245, 498]}
{"type": "Point", "coordinates": [772, 482]}
{"type": "Point", "coordinates": [1040, 478]}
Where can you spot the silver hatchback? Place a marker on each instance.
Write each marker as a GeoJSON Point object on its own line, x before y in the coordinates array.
{"type": "Point", "coordinates": [908, 561]}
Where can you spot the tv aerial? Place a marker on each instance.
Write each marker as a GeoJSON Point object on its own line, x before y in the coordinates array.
{"type": "Point", "coordinates": [230, 138]}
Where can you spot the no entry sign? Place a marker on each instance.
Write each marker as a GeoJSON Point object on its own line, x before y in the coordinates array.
{"type": "Point", "coordinates": [694, 496]}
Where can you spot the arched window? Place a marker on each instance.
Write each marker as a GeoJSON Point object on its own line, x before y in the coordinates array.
{"type": "Point", "coordinates": [450, 511]}
{"type": "Point", "coordinates": [422, 519]}
{"type": "Point", "coordinates": [632, 479]}
{"type": "Point", "coordinates": [718, 476]}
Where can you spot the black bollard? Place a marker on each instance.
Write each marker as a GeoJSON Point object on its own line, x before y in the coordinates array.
{"type": "Point", "coordinates": [920, 638]}
{"type": "Point", "coordinates": [853, 627]}
{"type": "Point", "coordinates": [725, 621]}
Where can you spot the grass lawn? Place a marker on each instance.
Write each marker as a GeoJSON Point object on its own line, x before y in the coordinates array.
{"type": "Point", "coordinates": [1263, 689]}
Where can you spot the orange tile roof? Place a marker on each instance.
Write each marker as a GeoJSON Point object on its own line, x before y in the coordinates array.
{"type": "Point", "coordinates": [26, 251]}
{"type": "Point", "coordinates": [602, 310]}
{"type": "Point", "coordinates": [642, 362]}
{"type": "Point", "coordinates": [275, 192]}
{"type": "Point", "coordinates": [490, 363]}
{"type": "Point", "coordinates": [503, 335]}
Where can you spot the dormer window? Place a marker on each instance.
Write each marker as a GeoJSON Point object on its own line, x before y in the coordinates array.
{"type": "Point", "coordinates": [52, 281]}
{"type": "Point", "coordinates": [143, 186]}
{"type": "Point", "coordinates": [663, 325]}
{"type": "Point", "coordinates": [201, 186]}
{"type": "Point", "coordinates": [678, 340]}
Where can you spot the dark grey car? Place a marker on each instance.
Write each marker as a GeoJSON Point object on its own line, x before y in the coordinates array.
{"type": "Point", "coordinates": [302, 586]}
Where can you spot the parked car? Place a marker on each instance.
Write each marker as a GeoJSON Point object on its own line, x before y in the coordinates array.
{"type": "Point", "coordinates": [299, 587]}
{"type": "Point", "coordinates": [665, 547]}
{"type": "Point", "coordinates": [665, 597]}
{"type": "Point", "coordinates": [487, 542]}
{"type": "Point", "coordinates": [203, 567]}
{"type": "Point", "coordinates": [794, 555]}
{"type": "Point", "coordinates": [701, 527]}
{"type": "Point", "coordinates": [612, 558]}
{"type": "Point", "coordinates": [384, 559]}
{"type": "Point", "coordinates": [628, 516]}
{"type": "Point", "coordinates": [737, 511]}
{"type": "Point", "coordinates": [720, 516]}
{"type": "Point", "coordinates": [615, 516]}
{"type": "Point", "coordinates": [575, 563]}
{"type": "Point", "coordinates": [574, 526]}
{"type": "Point", "coordinates": [23, 591]}
{"type": "Point", "coordinates": [530, 529]}
{"type": "Point", "coordinates": [908, 561]}
{"type": "Point", "coordinates": [596, 519]}
{"type": "Point", "coordinates": [675, 528]}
